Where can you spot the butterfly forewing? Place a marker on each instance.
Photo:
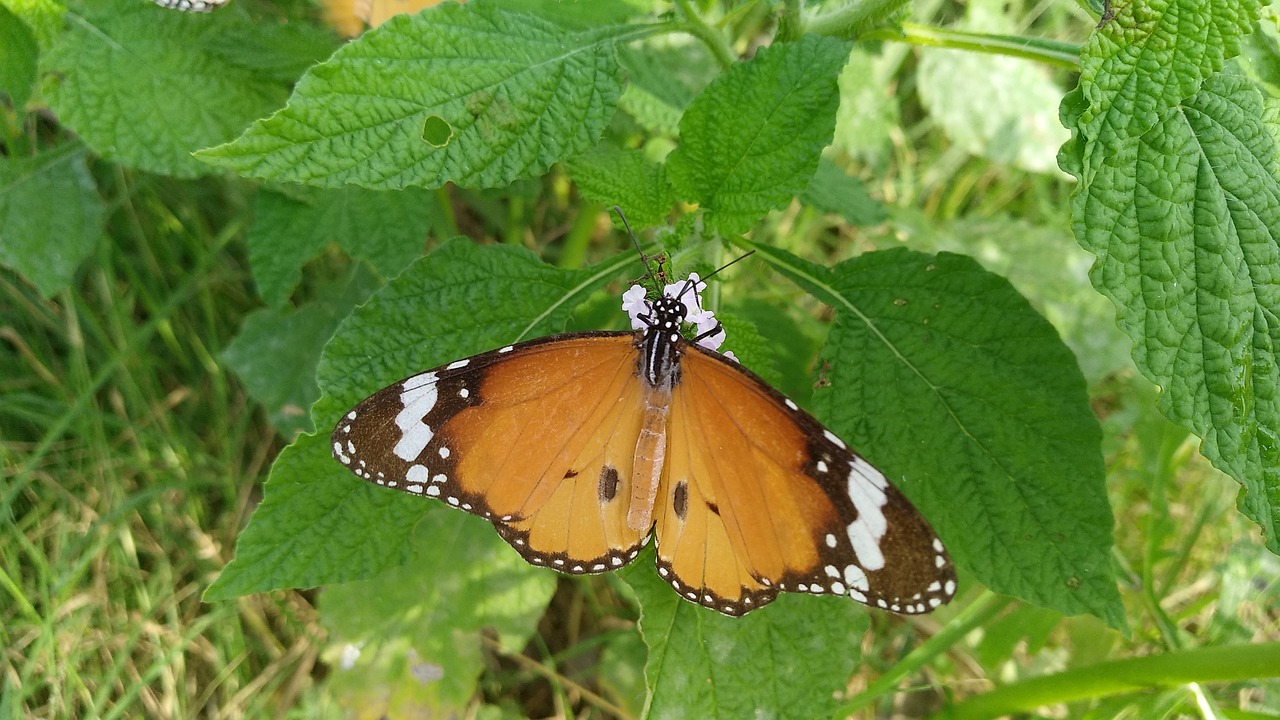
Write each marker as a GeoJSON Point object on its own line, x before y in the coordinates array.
{"type": "Point", "coordinates": [759, 497]}
{"type": "Point", "coordinates": [538, 438]}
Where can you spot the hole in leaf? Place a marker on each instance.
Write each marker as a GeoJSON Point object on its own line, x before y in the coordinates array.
{"type": "Point", "coordinates": [437, 131]}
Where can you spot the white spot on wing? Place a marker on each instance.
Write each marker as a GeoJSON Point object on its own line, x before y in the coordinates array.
{"type": "Point", "coordinates": [834, 440]}
{"type": "Point", "coordinates": [418, 398]}
{"type": "Point", "coordinates": [866, 490]}
{"type": "Point", "coordinates": [855, 578]}
{"type": "Point", "coordinates": [458, 364]}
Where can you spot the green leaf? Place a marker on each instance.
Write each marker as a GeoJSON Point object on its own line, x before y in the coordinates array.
{"type": "Point", "coordinates": [389, 229]}
{"type": "Point", "coordinates": [1184, 229]}
{"type": "Point", "coordinates": [787, 660]}
{"type": "Point", "coordinates": [662, 79]}
{"type": "Point", "coordinates": [580, 14]}
{"type": "Point", "coordinates": [307, 531]}
{"type": "Point", "coordinates": [613, 176]}
{"type": "Point", "coordinates": [418, 628]}
{"type": "Point", "coordinates": [317, 522]}
{"type": "Point", "coordinates": [471, 94]}
{"type": "Point", "coordinates": [455, 302]}
{"type": "Point", "coordinates": [145, 86]}
{"type": "Point", "coordinates": [868, 111]}
{"type": "Point", "coordinates": [46, 19]}
{"type": "Point", "coordinates": [1150, 57]}
{"type": "Point", "coordinates": [751, 141]}
{"type": "Point", "coordinates": [833, 190]}
{"type": "Point", "coordinates": [276, 351]}
{"type": "Point", "coordinates": [18, 54]}
{"type": "Point", "coordinates": [1179, 198]}
{"type": "Point", "coordinates": [999, 107]}
{"type": "Point", "coordinates": [752, 349]}
{"type": "Point", "coordinates": [1260, 54]}
{"type": "Point", "coordinates": [948, 381]}
{"type": "Point", "coordinates": [50, 216]}
{"type": "Point", "coordinates": [792, 346]}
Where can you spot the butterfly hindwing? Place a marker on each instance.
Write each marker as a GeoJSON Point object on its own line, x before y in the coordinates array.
{"type": "Point", "coordinates": [758, 497]}
{"type": "Point", "coordinates": [538, 438]}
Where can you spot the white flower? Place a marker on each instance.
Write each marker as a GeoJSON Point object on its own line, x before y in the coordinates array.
{"type": "Point", "coordinates": [705, 323]}
{"type": "Point", "coordinates": [635, 304]}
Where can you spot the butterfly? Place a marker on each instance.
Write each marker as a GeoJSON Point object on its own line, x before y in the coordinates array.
{"type": "Point", "coordinates": [195, 6]}
{"type": "Point", "coordinates": [580, 447]}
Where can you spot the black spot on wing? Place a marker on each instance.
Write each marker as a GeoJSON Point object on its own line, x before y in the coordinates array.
{"type": "Point", "coordinates": [608, 484]}
{"type": "Point", "coordinates": [680, 500]}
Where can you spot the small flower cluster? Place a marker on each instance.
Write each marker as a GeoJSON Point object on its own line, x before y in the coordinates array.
{"type": "Point", "coordinates": [636, 304]}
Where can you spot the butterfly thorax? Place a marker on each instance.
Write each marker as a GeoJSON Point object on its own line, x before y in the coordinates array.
{"type": "Point", "coordinates": [661, 342]}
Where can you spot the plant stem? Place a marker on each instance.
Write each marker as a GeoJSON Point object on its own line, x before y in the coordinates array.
{"type": "Point", "coordinates": [986, 607]}
{"type": "Point", "coordinates": [853, 19]}
{"type": "Point", "coordinates": [791, 24]}
{"type": "Point", "coordinates": [713, 39]}
{"type": "Point", "coordinates": [1212, 664]}
{"type": "Point", "coordinates": [1050, 52]}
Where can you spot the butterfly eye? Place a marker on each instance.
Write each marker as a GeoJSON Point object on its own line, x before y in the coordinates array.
{"type": "Point", "coordinates": [579, 448]}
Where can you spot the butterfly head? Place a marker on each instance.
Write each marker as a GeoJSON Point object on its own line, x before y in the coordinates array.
{"type": "Point", "coordinates": [679, 304]}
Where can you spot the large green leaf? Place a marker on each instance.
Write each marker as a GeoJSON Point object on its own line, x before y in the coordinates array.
{"type": "Point", "coordinates": [306, 531]}
{"type": "Point", "coordinates": [389, 229]}
{"type": "Point", "coordinates": [276, 351]}
{"type": "Point", "coordinates": [50, 216]}
{"type": "Point", "coordinates": [145, 86]}
{"type": "Point", "coordinates": [788, 660]}
{"type": "Point", "coordinates": [471, 94]}
{"type": "Point", "coordinates": [17, 58]}
{"type": "Point", "coordinates": [613, 176]}
{"type": "Point", "coordinates": [1179, 199]}
{"type": "Point", "coordinates": [948, 380]}
{"type": "Point", "coordinates": [751, 141]}
{"type": "Point", "coordinates": [416, 630]}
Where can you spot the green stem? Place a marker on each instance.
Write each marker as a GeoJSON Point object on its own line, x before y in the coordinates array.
{"type": "Point", "coordinates": [986, 607]}
{"type": "Point", "coordinates": [1050, 52]}
{"type": "Point", "coordinates": [853, 19]}
{"type": "Point", "coordinates": [574, 250]}
{"type": "Point", "coordinates": [1213, 664]}
{"type": "Point", "coordinates": [712, 38]}
{"type": "Point", "coordinates": [791, 24]}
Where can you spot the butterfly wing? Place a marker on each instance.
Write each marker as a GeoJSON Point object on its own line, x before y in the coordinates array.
{"type": "Point", "coordinates": [538, 438]}
{"type": "Point", "coordinates": [758, 497]}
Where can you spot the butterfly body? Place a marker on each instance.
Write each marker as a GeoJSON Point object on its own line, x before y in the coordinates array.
{"type": "Point", "coordinates": [579, 447]}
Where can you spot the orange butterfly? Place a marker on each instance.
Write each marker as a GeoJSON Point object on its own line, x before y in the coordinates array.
{"type": "Point", "coordinates": [196, 6]}
{"type": "Point", "coordinates": [578, 447]}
